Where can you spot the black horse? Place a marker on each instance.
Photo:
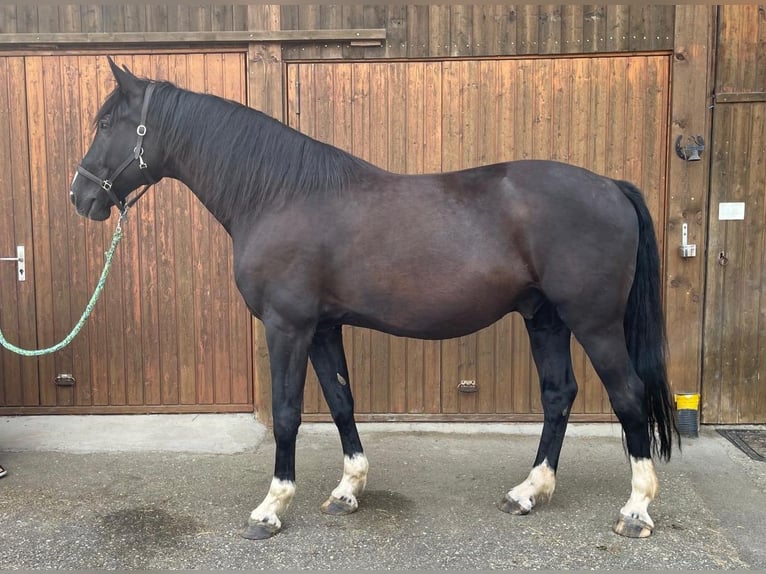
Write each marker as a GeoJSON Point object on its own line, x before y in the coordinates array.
{"type": "Point", "coordinates": [324, 239]}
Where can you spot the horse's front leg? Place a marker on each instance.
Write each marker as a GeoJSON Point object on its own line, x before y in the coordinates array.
{"type": "Point", "coordinates": [288, 356]}
{"type": "Point", "coordinates": [329, 362]}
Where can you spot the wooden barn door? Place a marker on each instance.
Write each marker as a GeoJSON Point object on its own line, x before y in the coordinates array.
{"type": "Point", "coordinates": [734, 385]}
{"type": "Point", "coordinates": [170, 332]}
{"type": "Point", "coordinates": [609, 114]}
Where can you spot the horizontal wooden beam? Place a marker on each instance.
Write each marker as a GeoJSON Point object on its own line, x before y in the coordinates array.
{"type": "Point", "coordinates": [236, 37]}
{"type": "Point", "coordinates": [743, 97]}
{"type": "Point", "coordinates": [460, 417]}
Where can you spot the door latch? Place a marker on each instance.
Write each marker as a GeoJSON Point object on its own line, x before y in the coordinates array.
{"type": "Point", "coordinates": [686, 249]}
{"type": "Point", "coordinates": [21, 264]}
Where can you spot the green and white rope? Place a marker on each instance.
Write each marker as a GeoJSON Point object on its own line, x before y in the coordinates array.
{"type": "Point", "coordinates": [88, 309]}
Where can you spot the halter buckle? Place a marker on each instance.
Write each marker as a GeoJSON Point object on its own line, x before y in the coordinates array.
{"type": "Point", "coordinates": [106, 185]}
{"type": "Point", "coordinates": [141, 130]}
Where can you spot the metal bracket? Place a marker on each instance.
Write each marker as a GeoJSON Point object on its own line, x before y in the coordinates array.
{"type": "Point", "coordinates": [686, 249]}
{"type": "Point", "coordinates": [691, 151]}
{"type": "Point", "coordinates": [467, 386]}
{"type": "Point", "coordinates": [21, 264]}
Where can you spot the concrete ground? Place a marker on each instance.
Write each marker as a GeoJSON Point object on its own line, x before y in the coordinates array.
{"type": "Point", "coordinates": [172, 492]}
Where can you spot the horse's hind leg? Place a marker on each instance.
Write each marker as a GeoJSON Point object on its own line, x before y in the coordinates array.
{"type": "Point", "coordinates": [329, 361]}
{"type": "Point", "coordinates": [549, 339]}
{"type": "Point", "coordinates": [608, 353]}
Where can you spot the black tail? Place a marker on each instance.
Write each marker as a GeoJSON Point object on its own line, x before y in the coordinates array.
{"type": "Point", "coordinates": [645, 329]}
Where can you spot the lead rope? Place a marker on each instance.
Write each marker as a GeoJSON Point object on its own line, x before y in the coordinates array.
{"type": "Point", "coordinates": [88, 309]}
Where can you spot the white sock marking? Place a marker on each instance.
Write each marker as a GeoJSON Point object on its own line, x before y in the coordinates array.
{"type": "Point", "coordinates": [354, 479]}
{"type": "Point", "coordinates": [280, 496]}
{"type": "Point", "coordinates": [644, 487]}
{"type": "Point", "coordinates": [538, 487]}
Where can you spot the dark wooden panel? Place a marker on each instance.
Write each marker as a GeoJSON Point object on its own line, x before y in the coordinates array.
{"type": "Point", "coordinates": [741, 54]}
{"type": "Point", "coordinates": [168, 332]}
{"type": "Point", "coordinates": [18, 375]}
{"type": "Point", "coordinates": [465, 113]}
{"type": "Point", "coordinates": [733, 390]}
{"type": "Point", "coordinates": [735, 321]}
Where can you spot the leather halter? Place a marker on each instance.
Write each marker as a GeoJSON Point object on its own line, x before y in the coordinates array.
{"type": "Point", "coordinates": [137, 155]}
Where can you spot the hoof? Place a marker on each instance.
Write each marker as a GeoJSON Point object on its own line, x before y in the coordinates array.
{"type": "Point", "coordinates": [259, 530]}
{"type": "Point", "coordinates": [632, 527]}
{"type": "Point", "coordinates": [337, 507]}
{"type": "Point", "coordinates": [512, 507]}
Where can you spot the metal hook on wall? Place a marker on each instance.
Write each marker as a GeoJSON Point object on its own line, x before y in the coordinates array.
{"type": "Point", "coordinates": [690, 151]}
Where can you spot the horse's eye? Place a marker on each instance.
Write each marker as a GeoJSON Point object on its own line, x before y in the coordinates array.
{"type": "Point", "coordinates": [104, 122]}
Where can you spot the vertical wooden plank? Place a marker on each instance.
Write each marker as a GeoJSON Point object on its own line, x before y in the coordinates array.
{"type": "Point", "coordinates": [617, 27]}
{"type": "Point", "coordinates": [550, 30]}
{"type": "Point", "coordinates": [594, 28]}
{"type": "Point", "coordinates": [26, 18]}
{"type": "Point", "coordinates": [688, 195]}
{"type": "Point", "coordinates": [461, 30]}
{"type": "Point", "coordinates": [11, 383]}
{"type": "Point", "coordinates": [8, 19]}
{"type": "Point", "coordinates": [572, 28]}
{"type": "Point", "coordinates": [439, 30]}
{"type": "Point", "coordinates": [394, 20]}
{"type": "Point", "coordinates": [331, 17]}
{"type": "Point", "coordinates": [527, 29]}
{"type": "Point", "coordinates": [417, 39]}
{"type": "Point", "coordinates": [561, 111]}
{"type": "Point", "coordinates": [38, 134]}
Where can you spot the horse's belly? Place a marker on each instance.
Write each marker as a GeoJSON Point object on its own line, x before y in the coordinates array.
{"type": "Point", "coordinates": [438, 312]}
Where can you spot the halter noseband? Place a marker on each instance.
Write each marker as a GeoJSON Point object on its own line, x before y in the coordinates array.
{"type": "Point", "coordinates": [137, 155]}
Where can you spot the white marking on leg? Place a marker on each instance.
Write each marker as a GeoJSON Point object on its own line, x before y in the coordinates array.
{"type": "Point", "coordinates": [280, 496]}
{"type": "Point", "coordinates": [644, 487]}
{"type": "Point", "coordinates": [538, 487]}
{"type": "Point", "coordinates": [354, 479]}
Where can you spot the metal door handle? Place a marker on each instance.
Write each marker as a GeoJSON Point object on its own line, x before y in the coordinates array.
{"type": "Point", "coordinates": [21, 264]}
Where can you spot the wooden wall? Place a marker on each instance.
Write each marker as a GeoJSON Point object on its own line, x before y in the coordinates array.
{"type": "Point", "coordinates": [608, 113]}
{"type": "Point", "coordinates": [440, 31]}
{"type": "Point", "coordinates": [170, 332]}
{"type": "Point", "coordinates": [31, 17]}
{"type": "Point", "coordinates": [486, 30]}
{"type": "Point", "coordinates": [412, 31]}
{"type": "Point", "coordinates": [734, 385]}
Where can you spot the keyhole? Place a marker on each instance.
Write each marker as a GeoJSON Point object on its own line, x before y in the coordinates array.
{"type": "Point", "coordinates": [722, 259]}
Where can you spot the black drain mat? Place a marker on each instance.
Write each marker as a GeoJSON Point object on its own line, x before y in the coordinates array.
{"type": "Point", "coordinates": [751, 442]}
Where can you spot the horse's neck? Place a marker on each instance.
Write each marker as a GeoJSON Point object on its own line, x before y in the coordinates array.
{"type": "Point", "coordinates": [190, 170]}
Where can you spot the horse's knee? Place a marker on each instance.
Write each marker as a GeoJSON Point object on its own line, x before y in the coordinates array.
{"type": "Point", "coordinates": [286, 423]}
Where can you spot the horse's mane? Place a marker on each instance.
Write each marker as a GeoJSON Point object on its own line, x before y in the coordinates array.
{"type": "Point", "coordinates": [244, 158]}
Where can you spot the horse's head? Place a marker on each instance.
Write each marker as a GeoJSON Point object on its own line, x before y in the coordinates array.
{"type": "Point", "coordinates": [123, 151]}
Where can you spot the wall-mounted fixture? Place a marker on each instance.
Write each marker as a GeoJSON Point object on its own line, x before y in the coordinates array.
{"type": "Point", "coordinates": [690, 151]}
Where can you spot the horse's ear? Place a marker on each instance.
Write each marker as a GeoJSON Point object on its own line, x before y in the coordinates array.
{"type": "Point", "coordinates": [127, 82]}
